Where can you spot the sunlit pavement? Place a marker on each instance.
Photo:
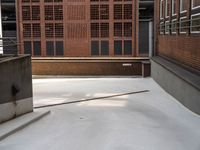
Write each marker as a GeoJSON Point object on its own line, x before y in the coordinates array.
{"type": "Point", "coordinates": [146, 121]}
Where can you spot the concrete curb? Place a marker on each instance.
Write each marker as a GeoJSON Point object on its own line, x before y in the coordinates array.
{"type": "Point", "coordinates": [11, 127]}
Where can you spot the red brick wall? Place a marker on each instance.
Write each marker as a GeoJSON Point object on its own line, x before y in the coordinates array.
{"type": "Point", "coordinates": [184, 48]}
{"type": "Point", "coordinates": [63, 66]}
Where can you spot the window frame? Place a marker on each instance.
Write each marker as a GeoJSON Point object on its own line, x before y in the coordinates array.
{"type": "Point", "coordinates": [166, 9]}
{"type": "Point", "coordinates": [181, 32]}
{"type": "Point", "coordinates": [197, 14]}
{"type": "Point", "coordinates": [182, 11]}
{"type": "Point", "coordinates": [192, 5]}
{"type": "Point", "coordinates": [176, 26]}
{"type": "Point", "coordinates": [172, 11]}
{"type": "Point", "coordinates": [163, 31]}
{"type": "Point", "coordinates": [161, 9]}
{"type": "Point", "coordinates": [167, 33]}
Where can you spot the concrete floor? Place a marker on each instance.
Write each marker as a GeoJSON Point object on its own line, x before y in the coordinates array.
{"type": "Point", "coordinates": [146, 121]}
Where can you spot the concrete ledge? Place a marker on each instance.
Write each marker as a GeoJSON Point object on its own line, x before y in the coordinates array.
{"type": "Point", "coordinates": [11, 127]}
{"type": "Point", "coordinates": [177, 81]}
{"type": "Point", "coordinates": [12, 109]}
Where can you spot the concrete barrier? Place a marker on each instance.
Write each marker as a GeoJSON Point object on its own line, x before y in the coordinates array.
{"type": "Point", "coordinates": [15, 86]}
{"type": "Point", "coordinates": [177, 81]}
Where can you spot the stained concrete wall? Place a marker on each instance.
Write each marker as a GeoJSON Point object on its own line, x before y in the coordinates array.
{"type": "Point", "coordinates": [178, 84]}
{"type": "Point", "coordinates": [15, 86]}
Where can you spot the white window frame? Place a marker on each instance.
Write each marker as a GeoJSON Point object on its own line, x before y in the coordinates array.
{"type": "Point", "coordinates": [192, 5]}
{"type": "Point", "coordinates": [180, 25]}
{"type": "Point", "coordinates": [166, 27]}
{"type": "Point", "coordinates": [166, 9]}
{"type": "Point", "coordinates": [173, 13]}
{"type": "Point", "coordinates": [161, 9]}
{"type": "Point", "coordinates": [176, 26]}
{"type": "Point", "coordinates": [191, 24]}
{"type": "Point", "coordinates": [163, 31]}
{"type": "Point", "coordinates": [182, 11]}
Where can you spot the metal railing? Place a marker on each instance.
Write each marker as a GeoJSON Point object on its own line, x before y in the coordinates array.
{"type": "Point", "coordinates": [186, 24]}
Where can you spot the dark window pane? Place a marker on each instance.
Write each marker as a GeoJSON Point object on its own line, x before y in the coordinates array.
{"type": "Point", "coordinates": [37, 48]}
{"type": "Point", "coordinates": [94, 29]}
{"type": "Point", "coordinates": [128, 47]}
{"type": "Point", "coordinates": [59, 48]}
{"type": "Point", "coordinates": [117, 11]}
{"type": "Point", "coordinates": [95, 48]}
{"type": "Point", "coordinates": [49, 48]}
{"type": "Point", "coordinates": [104, 48]}
{"type": "Point", "coordinates": [27, 47]}
{"type": "Point", "coordinates": [118, 47]}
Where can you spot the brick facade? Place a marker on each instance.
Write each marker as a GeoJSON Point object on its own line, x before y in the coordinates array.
{"type": "Point", "coordinates": [78, 27]}
{"type": "Point", "coordinates": [178, 31]}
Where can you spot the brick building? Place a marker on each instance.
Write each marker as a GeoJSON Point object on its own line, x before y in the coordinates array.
{"type": "Point", "coordinates": [78, 27]}
{"type": "Point", "coordinates": [176, 65]}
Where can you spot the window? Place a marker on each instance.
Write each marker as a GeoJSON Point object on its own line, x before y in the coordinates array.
{"type": "Point", "coordinates": [49, 32]}
{"type": "Point", "coordinates": [35, 12]}
{"type": "Point", "coordinates": [59, 48]}
{"type": "Point", "coordinates": [173, 7]}
{"type": "Point", "coordinates": [94, 30]}
{"type": "Point", "coordinates": [104, 48]}
{"type": "Point", "coordinates": [167, 27]}
{"type": "Point", "coordinates": [162, 28]}
{"type": "Point", "coordinates": [183, 25]}
{"type": "Point", "coordinates": [195, 4]}
{"type": "Point", "coordinates": [128, 47]}
{"type": "Point", "coordinates": [118, 47]}
{"type": "Point", "coordinates": [174, 26]}
{"type": "Point", "coordinates": [59, 30]}
{"type": "Point", "coordinates": [128, 11]}
{"type": "Point", "coordinates": [104, 30]}
{"type": "Point", "coordinates": [94, 12]}
{"type": "Point", "coordinates": [118, 29]}
{"type": "Point", "coordinates": [37, 48]}
{"type": "Point", "coordinates": [166, 8]}
{"type": "Point", "coordinates": [36, 30]}
{"type": "Point", "coordinates": [161, 9]}
{"type": "Point", "coordinates": [117, 11]}
{"type": "Point", "coordinates": [195, 23]}
{"type": "Point", "coordinates": [183, 5]}
{"type": "Point", "coordinates": [26, 13]}
{"type": "Point", "coordinates": [27, 47]}
{"type": "Point", "coordinates": [128, 29]}
{"type": "Point", "coordinates": [104, 11]}
{"type": "Point", "coordinates": [49, 48]}
{"type": "Point", "coordinates": [48, 12]}
{"type": "Point", "coordinates": [94, 47]}
{"type": "Point", "coordinates": [58, 12]}
{"type": "Point", "coordinates": [26, 30]}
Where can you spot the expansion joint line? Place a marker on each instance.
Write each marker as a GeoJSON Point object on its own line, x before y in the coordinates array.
{"type": "Point", "coordinates": [91, 99]}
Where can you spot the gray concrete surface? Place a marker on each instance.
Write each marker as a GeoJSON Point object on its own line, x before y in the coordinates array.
{"type": "Point", "coordinates": [10, 127]}
{"type": "Point", "coordinates": [146, 121]}
{"type": "Point", "coordinates": [180, 83]}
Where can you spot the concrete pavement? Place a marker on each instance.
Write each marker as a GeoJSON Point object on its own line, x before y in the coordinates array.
{"type": "Point", "coordinates": [145, 121]}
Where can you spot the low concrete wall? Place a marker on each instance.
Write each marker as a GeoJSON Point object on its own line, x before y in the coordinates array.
{"type": "Point", "coordinates": [87, 66]}
{"type": "Point", "coordinates": [15, 86]}
{"type": "Point", "coordinates": [177, 83]}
